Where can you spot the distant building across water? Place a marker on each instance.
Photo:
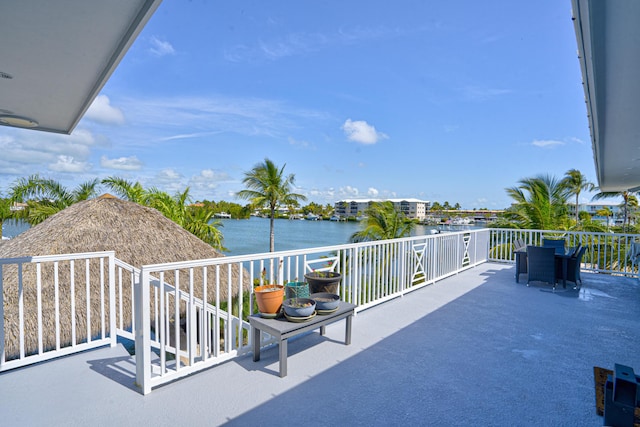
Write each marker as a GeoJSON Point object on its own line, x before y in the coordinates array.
{"type": "Point", "coordinates": [412, 208]}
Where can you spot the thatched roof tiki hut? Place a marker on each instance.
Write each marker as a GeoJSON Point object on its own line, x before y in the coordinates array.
{"type": "Point", "coordinates": [139, 236]}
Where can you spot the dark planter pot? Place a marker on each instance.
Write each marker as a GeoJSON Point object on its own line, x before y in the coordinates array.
{"type": "Point", "coordinates": [323, 281]}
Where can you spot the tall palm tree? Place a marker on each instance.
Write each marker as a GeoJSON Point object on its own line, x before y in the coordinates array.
{"type": "Point", "coordinates": [632, 206]}
{"type": "Point", "coordinates": [575, 182]}
{"type": "Point", "coordinates": [540, 203]}
{"type": "Point", "coordinates": [625, 194]}
{"type": "Point", "coordinates": [383, 222]}
{"type": "Point", "coordinates": [266, 185]}
{"type": "Point", "coordinates": [45, 197]}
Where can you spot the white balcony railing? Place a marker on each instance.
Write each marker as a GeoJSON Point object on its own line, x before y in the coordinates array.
{"type": "Point", "coordinates": [58, 305]}
{"type": "Point", "coordinates": [606, 252]}
{"type": "Point", "coordinates": [55, 305]}
{"type": "Point", "coordinates": [373, 272]}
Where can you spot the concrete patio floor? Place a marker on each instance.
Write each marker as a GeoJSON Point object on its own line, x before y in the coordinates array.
{"type": "Point", "coordinates": [474, 349]}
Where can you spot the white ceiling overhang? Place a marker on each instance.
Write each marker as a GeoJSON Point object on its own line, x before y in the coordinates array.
{"type": "Point", "coordinates": [608, 36]}
{"type": "Point", "coordinates": [55, 56]}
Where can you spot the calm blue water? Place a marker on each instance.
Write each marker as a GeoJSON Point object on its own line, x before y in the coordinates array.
{"type": "Point", "coordinates": [11, 228]}
{"type": "Point", "coordinates": [251, 236]}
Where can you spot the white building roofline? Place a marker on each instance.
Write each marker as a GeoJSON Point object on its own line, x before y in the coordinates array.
{"type": "Point", "coordinates": [410, 200]}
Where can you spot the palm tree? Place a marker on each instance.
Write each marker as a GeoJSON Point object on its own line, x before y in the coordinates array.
{"type": "Point", "coordinates": [266, 185]}
{"type": "Point", "coordinates": [199, 221]}
{"type": "Point", "coordinates": [605, 212]}
{"type": "Point", "coordinates": [540, 203]}
{"type": "Point", "coordinates": [131, 191]}
{"type": "Point", "coordinates": [383, 222]}
{"type": "Point", "coordinates": [436, 208]}
{"type": "Point", "coordinates": [632, 206]}
{"type": "Point", "coordinates": [575, 182]}
{"type": "Point", "coordinates": [46, 197]}
{"type": "Point", "coordinates": [625, 194]}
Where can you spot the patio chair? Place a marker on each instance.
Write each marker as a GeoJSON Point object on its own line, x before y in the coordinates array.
{"type": "Point", "coordinates": [633, 254]}
{"type": "Point", "coordinates": [518, 244]}
{"type": "Point", "coordinates": [558, 244]}
{"type": "Point", "coordinates": [541, 265]}
{"type": "Point", "coordinates": [573, 250]}
{"type": "Point", "coordinates": [573, 267]}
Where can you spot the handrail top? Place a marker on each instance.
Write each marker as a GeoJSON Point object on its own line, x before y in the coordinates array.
{"type": "Point", "coordinates": [57, 257]}
{"type": "Point", "coordinates": [150, 268]}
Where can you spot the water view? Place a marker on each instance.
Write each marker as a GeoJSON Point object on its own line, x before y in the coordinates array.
{"type": "Point", "coordinates": [242, 237]}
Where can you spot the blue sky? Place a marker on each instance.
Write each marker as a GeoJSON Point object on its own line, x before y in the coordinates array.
{"type": "Point", "coordinates": [442, 101]}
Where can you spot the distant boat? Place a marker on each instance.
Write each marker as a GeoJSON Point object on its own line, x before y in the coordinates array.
{"type": "Point", "coordinates": [461, 221]}
{"type": "Point", "coordinates": [335, 218]}
{"type": "Point", "coordinates": [296, 216]}
{"type": "Point", "coordinates": [312, 217]}
{"type": "Point", "coordinates": [222, 215]}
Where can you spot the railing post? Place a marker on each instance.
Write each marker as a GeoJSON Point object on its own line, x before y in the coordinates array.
{"type": "Point", "coordinates": [143, 326]}
{"type": "Point", "coordinates": [355, 288]}
{"type": "Point", "coordinates": [112, 300]}
{"type": "Point", "coordinates": [403, 263]}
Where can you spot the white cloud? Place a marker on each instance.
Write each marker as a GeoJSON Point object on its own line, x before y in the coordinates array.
{"type": "Point", "coordinates": [348, 191]}
{"type": "Point", "coordinates": [165, 119]}
{"type": "Point", "coordinates": [208, 179]}
{"type": "Point", "coordinates": [101, 111]}
{"type": "Point", "coordinates": [547, 143]}
{"type": "Point", "coordinates": [69, 164]}
{"type": "Point", "coordinates": [131, 163]}
{"type": "Point", "coordinates": [304, 144]}
{"type": "Point", "coordinates": [161, 48]}
{"type": "Point", "coordinates": [23, 152]}
{"type": "Point", "coordinates": [169, 180]}
{"type": "Point", "coordinates": [169, 175]}
{"type": "Point", "coordinates": [372, 192]}
{"type": "Point", "coordinates": [186, 136]}
{"type": "Point", "coordinates": [362, 132]}
{"type": "Point", "coordinates": [302, 43]}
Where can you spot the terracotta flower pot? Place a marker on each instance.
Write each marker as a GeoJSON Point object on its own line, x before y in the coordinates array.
{"type": "Point", "coordinates": [269, 298]}
{"type": "Point", "coordinates": [323, 281]}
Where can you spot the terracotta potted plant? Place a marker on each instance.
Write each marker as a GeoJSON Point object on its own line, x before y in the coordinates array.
{"type": "Point", "coordinates": [323, 281]}
{"type": "Point", "coordinates": [269, 297]}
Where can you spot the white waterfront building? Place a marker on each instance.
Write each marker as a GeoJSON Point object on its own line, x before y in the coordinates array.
{"type": "Point", "coordinates": [412, 208]}
{"type": "Point", "coordinates": [593, 208]}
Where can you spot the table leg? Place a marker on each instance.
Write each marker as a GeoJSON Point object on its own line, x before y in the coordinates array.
{"type": "Point", "coordinates": [256, 344]}
{"type": "Point", "coordinates": [322, 330]}
{"type": "Point", "coordinates": [283, 358]}
{"type": "Point", "coordinates": [517, 267]}
{"type": "Point", "coordinates": [347, 332]}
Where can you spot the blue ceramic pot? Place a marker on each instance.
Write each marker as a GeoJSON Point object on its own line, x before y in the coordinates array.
{"type": "Point", "coordinates": [299, 307]}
